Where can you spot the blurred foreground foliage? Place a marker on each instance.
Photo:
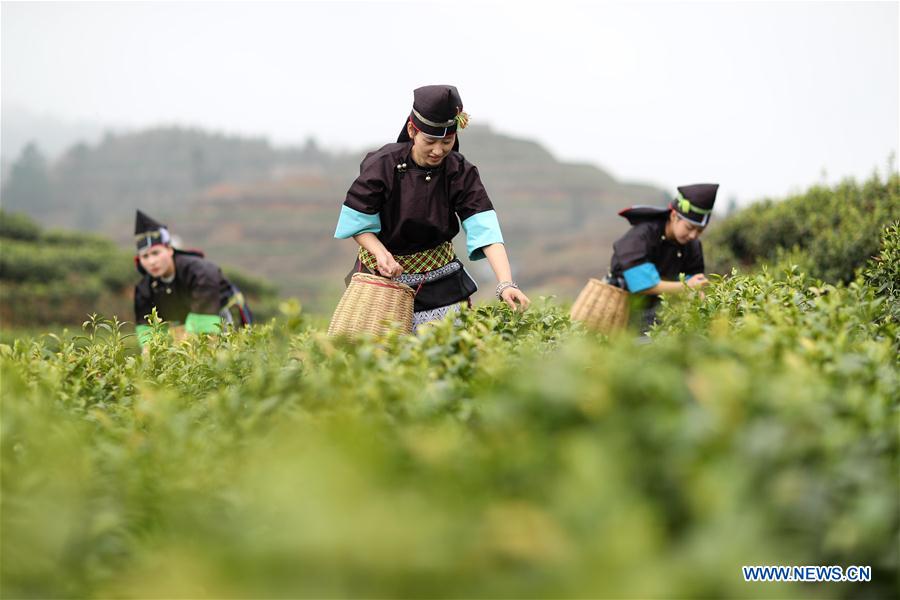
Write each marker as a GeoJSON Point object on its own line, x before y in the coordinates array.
{"type": "Point", "coordinates": [504, 456]}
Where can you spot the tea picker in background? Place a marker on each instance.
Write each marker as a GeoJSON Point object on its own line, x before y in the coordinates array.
{"type": "Point", "coordinates": [662, 245]}
{"type": "Point", "coordinates": [190, 293]}
{"type": "Point", "coordinates": [407, 205]}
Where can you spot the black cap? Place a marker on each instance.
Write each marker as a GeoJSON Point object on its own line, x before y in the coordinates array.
{"type": "Point", "coordinates": [149, 232]}
{"type": "Point", "coordinates": [695, 202]}
{"type": "Point", "coordinates": [437, 111]}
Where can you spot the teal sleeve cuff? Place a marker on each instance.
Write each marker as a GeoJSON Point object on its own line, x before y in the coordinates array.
{"type": "Point", "coordinates": [642, 277]}
{"type": "Point", "coordinates": [198, 323]}
{"type": "Point", "coordinates": [482, 229]}
{"type": "Point", "coordinates": [144, 333]}
{"type": "Point", "coordinates": [352, 222]}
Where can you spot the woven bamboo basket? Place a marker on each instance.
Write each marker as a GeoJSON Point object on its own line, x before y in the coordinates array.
{"type": "Point", "coordinates": [601, 307]}
{"type": "Point", "coordinates": [372, 304]}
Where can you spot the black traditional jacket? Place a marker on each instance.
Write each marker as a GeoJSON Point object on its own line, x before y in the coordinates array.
{"type": "Point", "coordinates": [417, 208]}
{"type": "Point", "coordinates": [199, 287]}
{"type": "Point", "coordinates": [413, 209]}
{"type": "Point", "coordinates": [644, 256]}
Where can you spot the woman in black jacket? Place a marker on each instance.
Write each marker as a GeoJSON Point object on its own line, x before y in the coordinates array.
{"type": "Point", "coordinates": [408, 203]}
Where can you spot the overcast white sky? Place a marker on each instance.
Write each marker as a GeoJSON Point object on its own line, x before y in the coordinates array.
{"type": "Point", "coordinates": [759, 96]}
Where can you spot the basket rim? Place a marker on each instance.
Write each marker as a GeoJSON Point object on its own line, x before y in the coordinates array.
{"type": "Point", "coordinates": [601, 282]}
{"type": "Point", "coordinates": [378, 280]}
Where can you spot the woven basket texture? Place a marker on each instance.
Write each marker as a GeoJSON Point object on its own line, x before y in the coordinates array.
{"type": "Point", "coordinates": [372, 304]}
{"type": "Point", "coordinates": [601, 307]}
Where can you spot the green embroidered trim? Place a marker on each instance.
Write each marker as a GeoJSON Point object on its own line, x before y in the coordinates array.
{"type": "Point", "coordinates": [198, 323]}
{"type": "Point", "coordinates": [685, 206]}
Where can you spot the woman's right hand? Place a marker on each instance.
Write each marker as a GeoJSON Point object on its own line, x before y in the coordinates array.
{"type": "Point", "coordinates": [387, 266]}
{"type": "Point", "coordinates": [698, 280]}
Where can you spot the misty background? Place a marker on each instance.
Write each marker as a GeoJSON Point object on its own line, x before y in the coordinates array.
{"type": "Point", "coordinates": [241, 125]}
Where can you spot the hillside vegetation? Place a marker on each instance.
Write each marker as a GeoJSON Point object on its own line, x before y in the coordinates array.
{"type": "Point", "coordinates": [827, 232]}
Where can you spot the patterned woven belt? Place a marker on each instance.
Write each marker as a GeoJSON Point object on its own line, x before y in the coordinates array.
{"type": "Point", "coordinates": [414, 279]}
{"type": "Point", "coordinates": [419, 262]}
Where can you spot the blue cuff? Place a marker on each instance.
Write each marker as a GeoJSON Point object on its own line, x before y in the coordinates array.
{"type": "Point", "coordinates": [642, 277]}
{"type": "Point", "coordinates": [482, 229]}
{"type": "Point", "coordinates": [352, 222]}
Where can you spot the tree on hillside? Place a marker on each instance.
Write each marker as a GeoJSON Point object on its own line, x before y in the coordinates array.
{"type": "Point", "coordinates": [28, 186]}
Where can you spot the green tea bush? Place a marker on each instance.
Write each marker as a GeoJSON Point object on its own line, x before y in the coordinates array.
{"type": "Point", "coordinates": [505, 455]}
{"type": "Point", "coordinates": [501, 455]}
{"type": "Point", "coordinates": [831, 231]}
{"type": "Point", "coordinates": [16, 226]}
{"type": "Point", "coordinates": [883, 274]}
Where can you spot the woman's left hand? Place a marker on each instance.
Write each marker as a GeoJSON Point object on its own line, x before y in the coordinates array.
{"type": "Point", "coordinates": [512, 295]}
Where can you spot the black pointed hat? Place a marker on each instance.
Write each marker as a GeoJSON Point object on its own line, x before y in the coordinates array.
{"type": "Point", "coordinates": [437, 111]}
{"type": "Point", "coordinates": [695, 202]}
{"type": "Point", "coordinates": [149, 232]}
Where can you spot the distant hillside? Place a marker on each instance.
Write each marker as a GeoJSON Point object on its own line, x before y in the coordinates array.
{"type": "Point", "coordinates": [273, 210]}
